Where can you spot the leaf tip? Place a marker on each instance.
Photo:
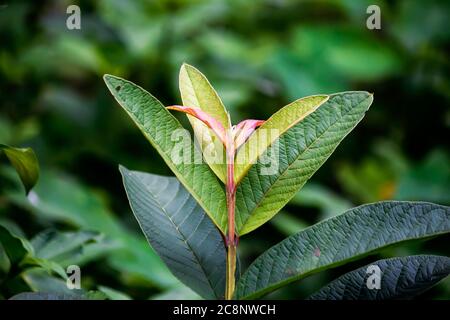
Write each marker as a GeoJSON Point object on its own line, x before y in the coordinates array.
{"type": "Point", "coordinates": [106, 77]}
{"type": "Point", "coordinates": [113, 83]}
{"type": "Point", "coordinates": [123, 169]}
{"type": "Point", "coordinates": [186, 65]}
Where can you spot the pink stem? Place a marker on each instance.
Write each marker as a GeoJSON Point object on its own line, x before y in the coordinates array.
{"type": "Point", "coordinates": [231, 195]}
{"type": "Point", "coordinates": [231, 242]}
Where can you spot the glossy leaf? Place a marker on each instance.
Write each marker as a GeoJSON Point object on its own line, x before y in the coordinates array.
{"type": "Point", "coordinates": [400, 278]}
{"type": "Point", "coordinates": [158, 126]}
{"type": "Point", "coordinates": [26, 164]}
{"type": "Point", "coordinates": [179, 230]}
{"type": "Point", "coordinates": [354, 234]}
{"type": "Point", "coordinates": [196, 91]}
{"type": "Point", "coordinates": [298, 154]}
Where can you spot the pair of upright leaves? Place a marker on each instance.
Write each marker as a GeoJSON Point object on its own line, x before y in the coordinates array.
{"type": "Point", "coordinates": [308, 131]}
{"type": "Point", "coordinates": [174, 219]}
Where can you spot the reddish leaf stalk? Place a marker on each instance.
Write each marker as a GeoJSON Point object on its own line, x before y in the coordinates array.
{"type": "Point", "coordinates": [232, 139]}
{"type": "Point", "coordinates": [231, 200]}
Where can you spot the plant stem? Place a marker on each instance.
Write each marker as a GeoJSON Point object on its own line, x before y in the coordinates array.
{"type": "Point", "coordinates": [231, 271]}
{"type": "Point", "coordinates": [231, 238]}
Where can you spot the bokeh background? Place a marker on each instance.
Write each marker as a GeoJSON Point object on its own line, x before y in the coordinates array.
{"type": "Point", "coordinates": [259, 55]}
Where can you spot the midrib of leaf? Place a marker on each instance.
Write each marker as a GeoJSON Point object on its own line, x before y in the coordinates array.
{"type": "Point", "coordinates": [281, 175]}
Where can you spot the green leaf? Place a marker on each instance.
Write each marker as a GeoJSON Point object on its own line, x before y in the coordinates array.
{"type": "Point", "coordinates": [16, 248]}
{"type": "Point", "coordinates": [272, 129]}
{"type": "Point", "coordinates": [400, 278]}
{"type": "Point", "coordinates": [26, 164]}
{"type": "Point", "coordinates": [158, 125]}
{"type": "Point", "coordinates": [295, 157]}
{"type": "Point", "coordinates": [196, 91]}
{"type": "Point", "coordinates": [179, 230]}
{"type": "Point", "coordinates": [352, 235]}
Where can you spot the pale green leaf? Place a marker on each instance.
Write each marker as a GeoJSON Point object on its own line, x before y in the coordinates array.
{"type": "Point", "coordinates": [196, 91]}
{"type": "Point", "coordinates": [272, 129]}
{"type": "Point", "coordinates": [294, 157]}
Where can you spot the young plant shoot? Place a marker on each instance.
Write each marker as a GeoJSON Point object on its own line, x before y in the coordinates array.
{"type": "Point", "coordinates": [231, 139]}
{"type": "Point", "coordinates": [240, 176]}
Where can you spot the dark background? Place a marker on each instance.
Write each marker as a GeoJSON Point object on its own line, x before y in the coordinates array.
{"type": "Point", "coordinates": [259, 55]}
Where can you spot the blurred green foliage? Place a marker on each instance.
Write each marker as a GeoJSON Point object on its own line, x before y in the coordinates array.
{"type": "Point", "coordinates": [259, 55]}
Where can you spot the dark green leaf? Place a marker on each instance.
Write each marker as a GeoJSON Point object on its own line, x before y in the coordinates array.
{"type": "Point", "coordinates": [349, 236]}
{"type": "Point", "coordinates": [179, 230]}
{"type": "Point", "coordinates": [400, 278]}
